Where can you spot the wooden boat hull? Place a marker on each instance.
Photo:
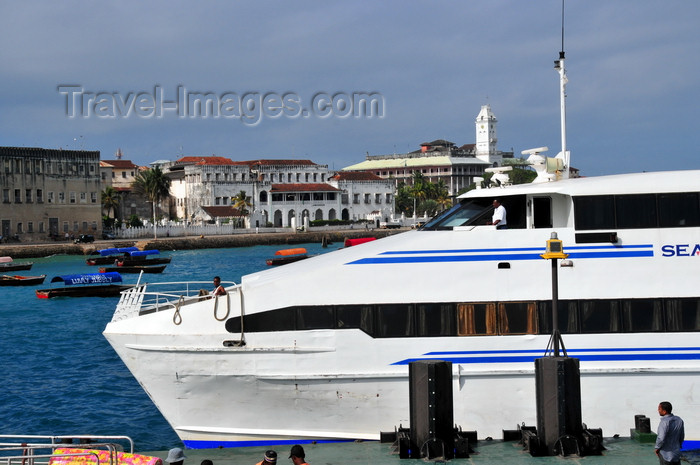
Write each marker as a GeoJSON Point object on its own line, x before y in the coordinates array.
{"type": "Point", "coordinates": [21, 280]}
{"type": "Point", "coordinates": [283, 260]}
{"type": "Point", "coordinates": [15, 266]}
{"type": "Point", "coordinates": [108, 290]}
{"type": "Point", "coordinates": [133, 269]}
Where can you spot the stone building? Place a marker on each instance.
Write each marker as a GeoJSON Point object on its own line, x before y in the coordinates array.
{"type": "Point", "coordinates": [48, 192]}
{"type": "Point", "coordinates": [364, 195]}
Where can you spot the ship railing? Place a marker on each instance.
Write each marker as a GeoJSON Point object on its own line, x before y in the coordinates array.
{"type": "Point", "coordinates": [155, 297]}
{"type": "Point", "coordinates": [40, 449]}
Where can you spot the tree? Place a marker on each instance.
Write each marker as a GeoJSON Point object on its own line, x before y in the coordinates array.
{"type": "Point", "coordinates": [110, 202]}
{"type": "Point", "coordinates": [241, 202]}
{"type": "Point", "coordinates": [155, 186]}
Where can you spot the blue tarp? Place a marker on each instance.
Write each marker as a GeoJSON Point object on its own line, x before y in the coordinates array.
{"type": "Point", "coordinates": [114, 251]}
{"type": "Point", "coordinates": [141, 253]}
{"type": "Point", "coordinates": [91, 278]}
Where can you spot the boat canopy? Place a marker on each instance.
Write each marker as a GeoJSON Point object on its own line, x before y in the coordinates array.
{"type": "Point", "coordinates": [5, 259]}
{"type": "Point", "coordinates": [114, 251]}
{"type": "Point", "coordinates": [142, 253]}
{"type": "Point", "coordinates": [286, 252]}
{"type": "Point", "coordinates": [90, 278]}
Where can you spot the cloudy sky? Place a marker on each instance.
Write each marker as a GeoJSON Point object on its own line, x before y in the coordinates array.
{"type": "Point", "coordinates": [280, 77]}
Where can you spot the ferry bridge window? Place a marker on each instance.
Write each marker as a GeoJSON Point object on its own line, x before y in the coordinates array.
{"type": "Point", "coordinates": [476, 318]}
{"type": "Point", "coordinates": [461, 214]}
{"type": "Point", "coordinates": [318, 317]}
{"type": "Point", "coordinates": [642, 315]}
{"type": "Point", "coordinates": [542, 212]}
{"type": "Point", "coordinates": [395, 320]}
{"type": "Point", "coordinates": [436, 319]}
{"type": "Point", "coordinates": [636, 211]}
{"type": "Point", "coordinates": [600, 316]}
{"type": "Point", "coordinates": [683, 314]}
{"type": "Point", "coordinates": [517, 318]}
{"type": "Point", "coordinates": [594, 212]}
{"type": "Point", "coordinates": [679, 210]}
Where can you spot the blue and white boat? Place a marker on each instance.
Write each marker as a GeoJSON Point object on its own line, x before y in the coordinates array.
{"type": "Point", "coordinates": [319, 349]}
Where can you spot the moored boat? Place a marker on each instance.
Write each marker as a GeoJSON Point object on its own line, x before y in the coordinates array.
{"type": "Point", "coordinates": [141, 257]}
{"type": "Point", "coordinates": [15, 280]}
{"type": "Point", "coordinates": [109, 256]}
{"type": "Point", "coordinates": [284, 256]}
{"type": "Point", "coordinates": [85, 285]}
{"type": "Point", "coordinates": [7, 264]}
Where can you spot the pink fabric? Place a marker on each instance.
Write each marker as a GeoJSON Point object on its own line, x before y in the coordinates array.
{"type": "Point", "coordinates": [123, 458]}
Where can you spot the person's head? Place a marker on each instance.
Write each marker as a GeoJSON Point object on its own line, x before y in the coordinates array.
{"type": "Point", "coordinates": [175, 456]}
{"type": "Point", "coordinates": [297, 454]}
{"type": "Point", "coordinates": [217, 280]}
{"type": "Point", "coordinates": [270, 457]}
{"type": "Point", "coordinates": [496, 203]}
{"type": "Point", "coordinates": [206, 462]}
{"type": "Point", "coordinates": [665, 408]}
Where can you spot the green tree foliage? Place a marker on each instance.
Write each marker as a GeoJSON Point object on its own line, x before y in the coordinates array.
{"type": "Point", "coordinates": [110, 203]}
{"type": "Point", "coordinates": [423, 196]}
{"type": "Point", "coordinates": [242, 202]}
{"type": "Point", "coordinates": [155, 186]}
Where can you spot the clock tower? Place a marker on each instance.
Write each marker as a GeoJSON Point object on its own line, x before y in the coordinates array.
{"type": "Point", "coordinates": [486, 136]}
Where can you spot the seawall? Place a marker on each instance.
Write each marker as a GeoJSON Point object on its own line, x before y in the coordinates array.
{"type": "Point", "coordinates": [191, 242]}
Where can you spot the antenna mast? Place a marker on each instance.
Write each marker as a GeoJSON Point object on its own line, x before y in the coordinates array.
{"type": "Point", "coordinates": [559, 66]}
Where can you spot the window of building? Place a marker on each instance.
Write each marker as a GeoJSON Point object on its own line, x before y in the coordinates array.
{"type": "Point", "coordinates": [123, 174]}
{"type": "Point", "coordinates": [217, 201]}
{"type": "Point", "coordinates": [28, 195]}
{"type": "Point", "coordinates": [356, 198]}
{"type": "Point", "coordinates": [50, 197]}
{"type": "Point", "coordinates": [114, 175]}
{"type": "Point", "coordinates": [388, 198]}
{"type": "Point", "coordinates": [318, 196]}
{"type": "Point", "coordinates": [92, 169]}
{"type": "Point", "coordinates": [368, 198]}
{"type": "Point", "coordinates": [93, 197]}
{"type": "Point", "coordinates": [377, 198]}
{"type": "Point", "coordinates": [18, 196]}
{"type": "Point", "coordinates": [6, 195]}
{"type": "Point", "coordinates": [30, 226]}
{"type": "Point", "coordinates": [83, 197]}
{"type": "Point", "coordinates": [71, 197]}
{"type": "Point", "coordinates": [20, 228]}
{"type": "Point", "coordinates": [39, 196]}
{"type": "Point", "coordinates": [81, 169]}
{"type": "Point", "coordinates": [75, 226]}
{"type": "Point", "coordinates": [41, 227]}
{"type": "Point", "coordinates": [61, 197]}
{"type": "Point", "coordinates": [85, 227]}
{"type": "Point", "coordinates": [65, 226]}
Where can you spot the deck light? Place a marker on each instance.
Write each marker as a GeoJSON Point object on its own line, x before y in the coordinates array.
{"type": "Point", "coordinates": [555, 249]}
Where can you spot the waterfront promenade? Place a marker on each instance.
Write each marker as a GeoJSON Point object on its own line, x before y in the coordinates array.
{"type": "Point", "coordinates": [33, 250]}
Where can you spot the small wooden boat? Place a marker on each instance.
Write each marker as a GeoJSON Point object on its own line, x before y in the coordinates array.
{"type": "Point", "coordinates": [6, 280]}
{"type": "Point", "coordinates": [358, 241]}
{"type": "Point", "coordinates": [6, 264]}
{"type": "Point", "coordinates": [282, 257]}
{"type": "Point", "coordinates": [133, 269]}
{"type": "Point", "coordinates": [86, 285]}
{"type": "Point", "coordinates": [109, 256]}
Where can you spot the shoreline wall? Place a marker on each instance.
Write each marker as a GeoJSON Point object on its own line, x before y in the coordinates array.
{"type": "Point", "coordinates": [191, 242]}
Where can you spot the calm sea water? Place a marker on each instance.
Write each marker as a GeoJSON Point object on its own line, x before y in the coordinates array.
{"type": "Point", "coordinates": [60, 376]}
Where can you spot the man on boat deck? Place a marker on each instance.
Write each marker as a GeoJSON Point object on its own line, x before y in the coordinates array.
{"type": "Point", "coordinates": [218, 288]}
{"type": "Point", "coordinates": [270, 458]}
{"type": "Point", "coordinates": [297, 455]}
{"type": "Point", "coordinates": [499, 215]}
{"type": "Point", "coordinates": [670, 436]}
{"type": "Point", "coordinates": [175, 456]}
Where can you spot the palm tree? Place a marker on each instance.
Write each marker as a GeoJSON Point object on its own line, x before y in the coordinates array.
{"type": "Point", "coordinates": [155, 186]}
{"type": "Point", "coordinates": [110, 201]}
{"type": "Point", "coordinates": [241, 202]}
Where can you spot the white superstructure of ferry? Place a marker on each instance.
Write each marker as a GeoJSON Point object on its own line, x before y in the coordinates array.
{"type": "Point", "coordinates": [319, 349]}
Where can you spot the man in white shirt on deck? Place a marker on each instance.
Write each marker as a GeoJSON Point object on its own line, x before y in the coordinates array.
{"type": "Point", "coordinates": [499, 215]}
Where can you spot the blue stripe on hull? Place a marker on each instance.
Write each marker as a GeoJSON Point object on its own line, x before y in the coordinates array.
{"type": "Point", "coordinates": [258, 443]}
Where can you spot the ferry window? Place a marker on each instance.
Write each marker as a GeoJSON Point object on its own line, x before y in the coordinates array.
{"type": "Point", "coordinates": [275, 320]}
{"type": "Point", "coordinates": [636, 211]}
{"type": "Point", "coordinates": [679, 210]}
{"type": "Point", "coordinates": [354, 316]}
{"type": "Point", "coordinates": [594, 212]}
{"type": "Point", "coordinates": [542, 212]}
{"type": "Point", "coordinates": [600, 316]}
{"type": "Point", "coordinates": [467, 212]}
{"type": "Point", "coordinates": [395, 320]}
{"type": "Point", "coordinates": [567, 316]}
{"type": "Point", "coordinates": [436, 320]}
{"type": "Point", "coordinates": [475, 319]}
{"type": "Point", "coordinates": [642, 315]}
{"type": "Point", "coordinates": [683, 315]}
{"type": "Point", "coordinates": [517, 318]}
{"type": "Point", "coordinates": [319, 317]}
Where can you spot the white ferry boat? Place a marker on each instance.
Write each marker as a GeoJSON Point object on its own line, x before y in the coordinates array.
{"type": "Point", "coordinates": [319, 349]}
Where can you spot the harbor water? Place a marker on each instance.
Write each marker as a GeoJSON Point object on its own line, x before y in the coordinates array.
{"type": "Point", "coordinates": [61, 377]}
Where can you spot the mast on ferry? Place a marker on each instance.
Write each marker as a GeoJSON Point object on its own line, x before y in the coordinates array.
{"type": "Point", "coordinates": [564, 155]}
